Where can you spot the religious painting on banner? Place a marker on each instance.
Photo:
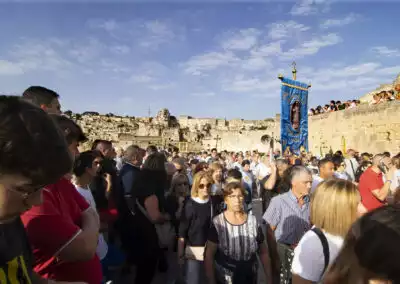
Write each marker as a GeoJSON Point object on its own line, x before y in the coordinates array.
{"type": "Point", "coordinates": [294, 116]}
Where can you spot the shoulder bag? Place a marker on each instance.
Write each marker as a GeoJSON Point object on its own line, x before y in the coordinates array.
{"type": "Point", "coordinates": [165, 232]}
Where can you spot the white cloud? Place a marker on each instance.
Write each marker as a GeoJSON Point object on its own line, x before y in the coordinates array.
{"type": "Point", "coordinates": [255, 63]}
{"type": "Point", "coordinates": [107, 25]}
{"type": "Point", "coordinates": [241, 84]}
{"type": "Point", "coordinates": [303, 8]}
{"type": "Point", "coordinates": [161, 86]}
{"type": "Point", "coordinates": [113, 67]}
{"type": "Point", "coordinates": [120, 49]}
{"type": "Point", "coordinates": [356, 70]}
{"type": "Point", "coordinates": [148, 35]}
{"type": "Point", "coordinates": [386, 51]}
{"type": "Point", "coordinates": [312, 46]}
{"type": "Point", "coordinates": [341, 71]}
{"type": "Point", "coordinates": [241, 40]}
{"type": "Point", "coordinates": [270, 49]}
{"type": "Point", "coordinates": [10, 68]}
{"type": "Point", "coordinates": [87, 50]}
{"type": "Point", "coordinates": [156, 33]}
{"type": "Point", "coordinates": [209, 61]}
{"type": "Point", "coordinates": [141, 78]}
{"type": "Point", "coordinates": [389, 71]}
{"type": "Point", "coordinates": [309, 7]}
{"type": "Point", "coordinates": [203, 94]}
{"type": "Point", "coordinates": [281, 30]}
{"type": "Point", "coordinates": [41, 55]}
{"type": "Point", "coordinates": [151, 72]}
{"type": "Point", "coordinates": [329, 23]}
{"type": "Point", "coordinates": [357, 77]}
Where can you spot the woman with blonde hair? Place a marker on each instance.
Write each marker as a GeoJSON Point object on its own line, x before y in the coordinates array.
{"type": "Point", "coordinates": [335, 205]}
{"type": "Point", "coordinates": [195, 221]}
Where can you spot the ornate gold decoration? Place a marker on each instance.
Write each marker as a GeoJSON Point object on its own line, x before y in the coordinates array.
{"type": "Point", "coordinates": [294, 71]}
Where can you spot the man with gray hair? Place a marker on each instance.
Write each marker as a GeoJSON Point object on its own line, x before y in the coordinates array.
{"type": "Point", "coordinates": [132, 160]}
{"type": "Point", "coordinates": [288, 215]}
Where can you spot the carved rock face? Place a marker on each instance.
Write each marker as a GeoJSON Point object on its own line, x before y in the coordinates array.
{"type": "Point", "coordinates": [163, 115]}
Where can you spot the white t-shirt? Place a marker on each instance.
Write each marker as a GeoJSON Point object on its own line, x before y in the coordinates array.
{"type": "Point", "coordinates": [102, 247]}
{"type": "Point", "coordinates": [309, 261]}
{"type": "Point", "coordinates": [342, 175]}
{"type": "Point", "coordinates": [395, 181]}
{"type": "Point", "coordinates": [262, 170]}
{"type": "Point", "coordinates": [316, 181]}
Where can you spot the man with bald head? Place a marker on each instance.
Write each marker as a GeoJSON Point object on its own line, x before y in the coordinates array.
{"type": "Point", "coordinates": [373, 189]}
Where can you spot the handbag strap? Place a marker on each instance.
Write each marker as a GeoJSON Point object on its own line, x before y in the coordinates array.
{"type": "Point", "coordinates": [211, 211]}
{"type": "Point", "coordinates": [143, 210]}
{"type": "Point", "coordinates": [325, 246]}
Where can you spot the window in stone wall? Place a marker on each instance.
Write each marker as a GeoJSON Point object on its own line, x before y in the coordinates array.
{"type": "Point", "coordinates": [265, 139]}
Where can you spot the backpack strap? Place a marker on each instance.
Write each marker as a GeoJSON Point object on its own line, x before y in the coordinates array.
{"type": "Point", "coordinates": [325, 246]}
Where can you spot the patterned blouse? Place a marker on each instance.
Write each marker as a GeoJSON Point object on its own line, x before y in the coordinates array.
{"type": "Point", "coordinates": [238, 245]}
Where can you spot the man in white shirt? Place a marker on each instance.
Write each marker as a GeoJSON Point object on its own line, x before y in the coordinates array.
{"type": "Point", "coordinates": [326, 171]}
{"type": "Point", "coordinates": [86, 167]}
{"type": "Point", "coordinates": [351, 164]}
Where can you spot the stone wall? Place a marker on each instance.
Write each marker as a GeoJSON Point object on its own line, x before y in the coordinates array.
{"type": "Point", "coordinates": [365, 128]}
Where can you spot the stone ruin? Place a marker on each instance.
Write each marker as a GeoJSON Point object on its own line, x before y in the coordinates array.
{"type": "Point", "coordinates": [184, 132]}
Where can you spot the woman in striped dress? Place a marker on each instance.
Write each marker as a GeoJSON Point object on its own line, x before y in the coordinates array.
{"type": "Point", "coordinates": [234, 242]}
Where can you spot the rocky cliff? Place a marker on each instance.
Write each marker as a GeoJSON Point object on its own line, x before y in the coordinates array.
{"type": "Point", "coordinates": [184, 132]}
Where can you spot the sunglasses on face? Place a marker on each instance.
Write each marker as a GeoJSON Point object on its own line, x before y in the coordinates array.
{"type": "Point", "coordinates": [182, 184]}
{"type": "Point", "coordinates": [202, 186]}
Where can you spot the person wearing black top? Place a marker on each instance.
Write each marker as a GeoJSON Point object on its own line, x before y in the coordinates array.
{"type": "Point", "coordinates": [132, 160]}
{"type": "Point", "coordinates": [175, 198]}
{"type": "Point", "coordinates": [148, 191]}
{"type": "Point", "coordinates": [195, 222]}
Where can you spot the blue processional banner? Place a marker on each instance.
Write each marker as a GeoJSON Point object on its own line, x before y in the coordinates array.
{"type": "Point", "coordinates": [294, 116]}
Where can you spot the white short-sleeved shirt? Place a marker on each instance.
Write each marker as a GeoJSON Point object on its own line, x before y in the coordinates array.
{"type": "Point", "coordinates": [316, 181]}
{"type": "Point", "coordinates": [102, 247]}
{"type": "Point", "coordinates": [395, 180]}
{"type": "Point", "coordinates": [309, 261]}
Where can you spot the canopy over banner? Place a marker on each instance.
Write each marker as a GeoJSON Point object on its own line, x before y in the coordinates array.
{"type": "Point", "coordinates": [294, 116]}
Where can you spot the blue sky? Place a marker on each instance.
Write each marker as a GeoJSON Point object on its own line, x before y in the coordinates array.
{"type": "Point", "coordinates": [210, 59]}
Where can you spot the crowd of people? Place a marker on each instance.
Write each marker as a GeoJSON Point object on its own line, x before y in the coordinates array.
{"type": "Point", "coordinates": [333, 106]}
{"type": "Point", "coordinates": [382, 97]}
{"type": "Point", "coordinates": [95, 216]}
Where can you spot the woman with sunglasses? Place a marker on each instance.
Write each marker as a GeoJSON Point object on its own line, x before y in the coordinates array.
{"type": "Point", "coordinates": [194, 224]}
{"type": "Point", "coordinates": [178, 193]}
